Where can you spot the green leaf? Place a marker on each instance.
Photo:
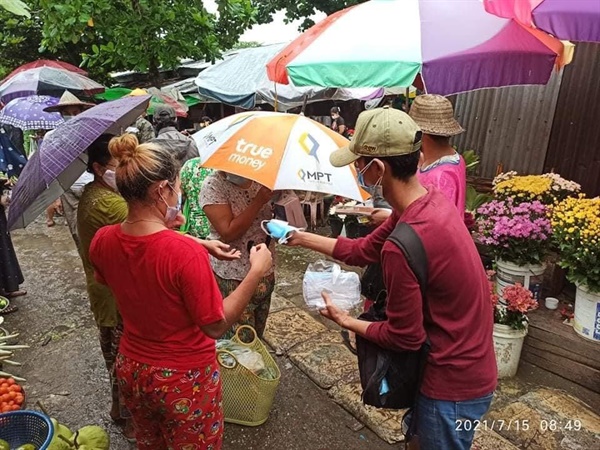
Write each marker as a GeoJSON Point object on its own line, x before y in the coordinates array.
{"type": "Point", "coordinates": [16, 7]}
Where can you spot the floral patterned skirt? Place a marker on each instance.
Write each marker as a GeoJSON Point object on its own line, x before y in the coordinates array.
{"type": "Point", "coordinates": [257, 311]}
{"type": "Point", "coordinates": [173, 409]}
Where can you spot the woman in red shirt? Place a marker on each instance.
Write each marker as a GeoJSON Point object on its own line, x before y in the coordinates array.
{"type": "Point", "coordinates": [170, 303]}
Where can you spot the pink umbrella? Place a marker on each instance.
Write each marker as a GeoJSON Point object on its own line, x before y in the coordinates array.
{"type": "Point", "coordinates": [46, 63]}
{"type": "Point", "coordinates": [574, 20]}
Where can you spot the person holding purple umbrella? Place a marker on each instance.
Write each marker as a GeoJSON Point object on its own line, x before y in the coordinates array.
{"type": "Point", "coordinates": [70, 106]}
{"type": "Point", "coordinates": [101, 205]}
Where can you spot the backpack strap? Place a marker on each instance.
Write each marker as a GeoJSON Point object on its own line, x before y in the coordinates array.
{"type": "Point", "coordinates": [407, 240]}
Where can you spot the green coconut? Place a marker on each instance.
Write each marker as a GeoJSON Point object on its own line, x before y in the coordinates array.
{"type": "Point", "coordinates": [60, 429]}
{"type": "Point", "coordinates": [26, 447]}
{"type": "Point", "coordinates": [93, 437]}
{"type": "Point", "coordinates": [4, 445]}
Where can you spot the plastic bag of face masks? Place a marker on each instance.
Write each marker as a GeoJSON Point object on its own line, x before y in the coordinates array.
{"type": "Point", "coordinates": [343, 287]}
{"type": "Point", "coordinates": [247, 357]}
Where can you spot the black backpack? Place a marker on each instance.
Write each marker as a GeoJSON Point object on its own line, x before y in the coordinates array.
{"type": "Point", "coordinates": [401, 370]}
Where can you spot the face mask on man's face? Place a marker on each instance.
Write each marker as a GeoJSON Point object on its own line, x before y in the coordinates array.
{"type": "Point", "coordinates": [374, 189]}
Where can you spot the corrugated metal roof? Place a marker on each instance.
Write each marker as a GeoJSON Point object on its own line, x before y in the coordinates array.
{"type": "Point", "coordinates": [509, 125]}
{"type": "Point", "coordinates": [574, 147]}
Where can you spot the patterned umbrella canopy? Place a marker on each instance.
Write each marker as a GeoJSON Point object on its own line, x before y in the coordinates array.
{"type": "Point", "coordinates": [48, 81]}
{"type": "Point", "coordinates": [46, 63]}
{"type": "Point", "coordinates": [27, 113]}
{"type": "Point", "coordinates": [453, 46]}
{"type": "Point", "coordinates": [62, 159]}
{"type": "Point", "coordinates": [11, 161]}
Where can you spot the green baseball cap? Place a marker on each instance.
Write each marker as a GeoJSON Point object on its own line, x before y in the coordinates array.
{"type": "Point", "coordinates": [379, 132]}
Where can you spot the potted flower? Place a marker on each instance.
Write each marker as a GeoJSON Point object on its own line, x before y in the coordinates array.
{"type": "Point", "coordinates": [576, 224]}
{"type": "Point", "coordinates": [510, 325]}
{"type": "Point", "coordinates": [549, 188]}
{"type": "Point", "coordinates": [518, 235]}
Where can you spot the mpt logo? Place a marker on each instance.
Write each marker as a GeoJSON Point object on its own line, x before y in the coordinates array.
{"type": "Point", "coordinates": [316, 176]}
{"type": "Point", "coordinates": [309, 144]}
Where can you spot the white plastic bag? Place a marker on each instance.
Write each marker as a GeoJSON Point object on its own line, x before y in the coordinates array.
{"type": "Point", "coordinates": [247, 357]}
{"type": "Point", "coordinates": [342, 286]}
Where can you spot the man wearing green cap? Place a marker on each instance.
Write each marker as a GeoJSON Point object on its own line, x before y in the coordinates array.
{"type": "Point", "coordinates": [460, 373]}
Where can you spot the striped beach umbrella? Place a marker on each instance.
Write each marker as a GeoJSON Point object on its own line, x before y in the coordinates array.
{"type": "Point", "coordinates": [445, 46]}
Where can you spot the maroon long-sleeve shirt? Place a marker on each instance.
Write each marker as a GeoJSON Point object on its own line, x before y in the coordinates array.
{"type": "Point", "coordinates": [458, 317]}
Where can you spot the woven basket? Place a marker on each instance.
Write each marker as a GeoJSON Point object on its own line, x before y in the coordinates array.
{"type": "Point", "coordinates": [247, 398]}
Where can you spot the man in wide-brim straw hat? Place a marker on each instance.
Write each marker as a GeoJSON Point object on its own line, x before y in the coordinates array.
{"type": "Point", "coordinates": [69, 106]}
{"type": "Point", "coordinates": [441, 166]}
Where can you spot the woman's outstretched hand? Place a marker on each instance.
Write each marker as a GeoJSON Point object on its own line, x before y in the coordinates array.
{"type": "Point", "coordinates": [218, 249]}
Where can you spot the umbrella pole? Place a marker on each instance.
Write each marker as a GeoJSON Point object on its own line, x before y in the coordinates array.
{"type": "Point", "coordinates": [276, 101]}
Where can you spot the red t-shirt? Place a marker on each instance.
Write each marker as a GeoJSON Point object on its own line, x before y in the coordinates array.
{"type": "Point", "coordinates": [165, 291]}
{"type": "Point", "coordinates": [459, 315]}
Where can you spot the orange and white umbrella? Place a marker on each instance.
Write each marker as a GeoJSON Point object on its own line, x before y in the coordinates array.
{"type": "Point", "coordinates": [280, 151]}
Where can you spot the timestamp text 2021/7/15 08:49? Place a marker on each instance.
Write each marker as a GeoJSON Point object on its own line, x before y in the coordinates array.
{"type": "Point", "coordinates": [518, 425]}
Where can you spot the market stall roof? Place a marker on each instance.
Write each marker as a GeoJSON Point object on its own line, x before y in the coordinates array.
{"type": "Point", "coordinates": [241, 80]}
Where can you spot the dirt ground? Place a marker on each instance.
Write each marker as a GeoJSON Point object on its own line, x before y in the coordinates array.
{"type": "Point", "coordinates": [66, 373]}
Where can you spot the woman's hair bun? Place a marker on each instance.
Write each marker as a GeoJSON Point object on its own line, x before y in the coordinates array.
{"type": "Point", "coordinates": [124, 147]}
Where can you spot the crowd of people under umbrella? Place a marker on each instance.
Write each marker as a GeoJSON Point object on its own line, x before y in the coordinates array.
{"type": "Point", "coordinates": [143, 183]}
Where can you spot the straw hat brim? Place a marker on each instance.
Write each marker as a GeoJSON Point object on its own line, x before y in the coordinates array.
{"type": "Point", "coordinates": [60, 106]}
{"type": "Point", "coordinates": [448, 129]}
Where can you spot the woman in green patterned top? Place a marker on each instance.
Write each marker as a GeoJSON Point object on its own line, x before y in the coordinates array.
{"type": "Point", "coordinates": [192, 176]}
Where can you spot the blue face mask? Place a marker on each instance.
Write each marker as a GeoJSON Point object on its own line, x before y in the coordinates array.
{"type": "Point", "coordinates": [373, 190]}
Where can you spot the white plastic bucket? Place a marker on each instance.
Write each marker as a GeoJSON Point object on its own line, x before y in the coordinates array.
{"type": "Point", "coordinates": [587, 314]}
{"type": "Point", "coordinates": [508, 344]}
{"type": "Point", "coordinates": [530, 276]}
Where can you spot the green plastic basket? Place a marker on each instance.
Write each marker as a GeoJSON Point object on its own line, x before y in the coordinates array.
{"type": "Point", "coordinates": [247, 398]}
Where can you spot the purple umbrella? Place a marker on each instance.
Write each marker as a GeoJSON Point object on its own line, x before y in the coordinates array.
{"type": "Point", "coordinates": [27, 113]}
{"type": "Point", "coordinates": [61, 159]}
{"type": "Point", "coordinates": [48, 81]}
{"type": "Point", "coordinates": [574, 20]}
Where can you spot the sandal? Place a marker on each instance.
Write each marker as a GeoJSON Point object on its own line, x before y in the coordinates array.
{"type": "Point", "coordinates": [15, 294]}
{"type": "Point", "coordinates": [346, 338]}
{"type": "Point", "coordinates": [9, 309]}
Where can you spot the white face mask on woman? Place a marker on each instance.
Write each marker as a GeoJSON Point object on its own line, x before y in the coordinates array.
{"type": "Point", "coordinates": [110, 178]}
{"type": "Point", "coordinates": [172, 211]}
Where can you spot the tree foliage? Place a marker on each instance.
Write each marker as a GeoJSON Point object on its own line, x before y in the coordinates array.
{"type": "Point", "coordinates": [300, 9]}
{"type": "Point", "coordinates": [144, 35]}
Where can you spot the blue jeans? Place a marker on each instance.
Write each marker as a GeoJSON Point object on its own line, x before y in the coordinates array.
{"type": "Point", "coordinates": [446, 425]}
